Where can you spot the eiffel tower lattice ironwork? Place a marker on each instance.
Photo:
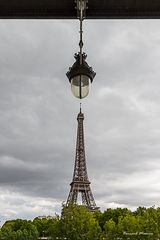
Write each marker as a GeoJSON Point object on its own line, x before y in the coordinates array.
{"type": "Point", "coordinates": [80, 183]}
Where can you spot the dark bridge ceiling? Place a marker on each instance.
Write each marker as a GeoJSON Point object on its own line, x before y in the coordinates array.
{"type": "Point", "coordinates": [65, 9]}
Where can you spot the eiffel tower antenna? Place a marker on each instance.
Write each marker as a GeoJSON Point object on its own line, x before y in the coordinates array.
{"type": "Point", "coordinates": [80, 183]}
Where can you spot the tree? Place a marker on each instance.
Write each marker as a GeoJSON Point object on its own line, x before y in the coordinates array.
{"type": "Point", "coordinates": [46, 227]}
{"type": "Point", "coordinates": [110, 230]}
{"type": "Point", "coordinates": [19, 230]}
{"type": "Point", "coordinates": [77, 222]}
{"type": "Point", "coordinates": [113, 214]}
{"type": "Point", "coordinates": [128, 227]}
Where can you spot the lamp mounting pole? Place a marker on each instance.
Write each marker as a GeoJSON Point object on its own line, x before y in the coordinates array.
{"type": "Point", "coordinates": [81, 10]}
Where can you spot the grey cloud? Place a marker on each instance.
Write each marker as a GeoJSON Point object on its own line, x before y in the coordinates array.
{"type": "Point", "coordinates": [38, 112]}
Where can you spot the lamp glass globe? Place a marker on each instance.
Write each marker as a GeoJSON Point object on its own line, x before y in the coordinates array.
{"type": "Point", "coordinates": [80, 86]}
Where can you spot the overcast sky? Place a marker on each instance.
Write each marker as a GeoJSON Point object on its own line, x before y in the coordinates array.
{"type": "Point", "coordinates": [38, 114]}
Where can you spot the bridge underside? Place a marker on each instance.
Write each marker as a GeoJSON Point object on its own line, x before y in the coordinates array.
{"type": "Point", "coordinates": [65, 9]}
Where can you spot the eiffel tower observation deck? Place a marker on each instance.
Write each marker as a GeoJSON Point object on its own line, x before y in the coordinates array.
{"type": "Point", "coordinates": [80, 183]}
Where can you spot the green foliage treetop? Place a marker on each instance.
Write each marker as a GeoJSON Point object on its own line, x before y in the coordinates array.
{"type": "Point", "coordinates": [78, 223]}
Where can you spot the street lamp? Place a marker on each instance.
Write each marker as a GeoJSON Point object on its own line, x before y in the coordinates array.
{"type": "Point", "coordinates": [80, 74]}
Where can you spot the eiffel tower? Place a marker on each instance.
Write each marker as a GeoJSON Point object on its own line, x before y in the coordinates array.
{"type": "Point", "coordinates": [80, 183]}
